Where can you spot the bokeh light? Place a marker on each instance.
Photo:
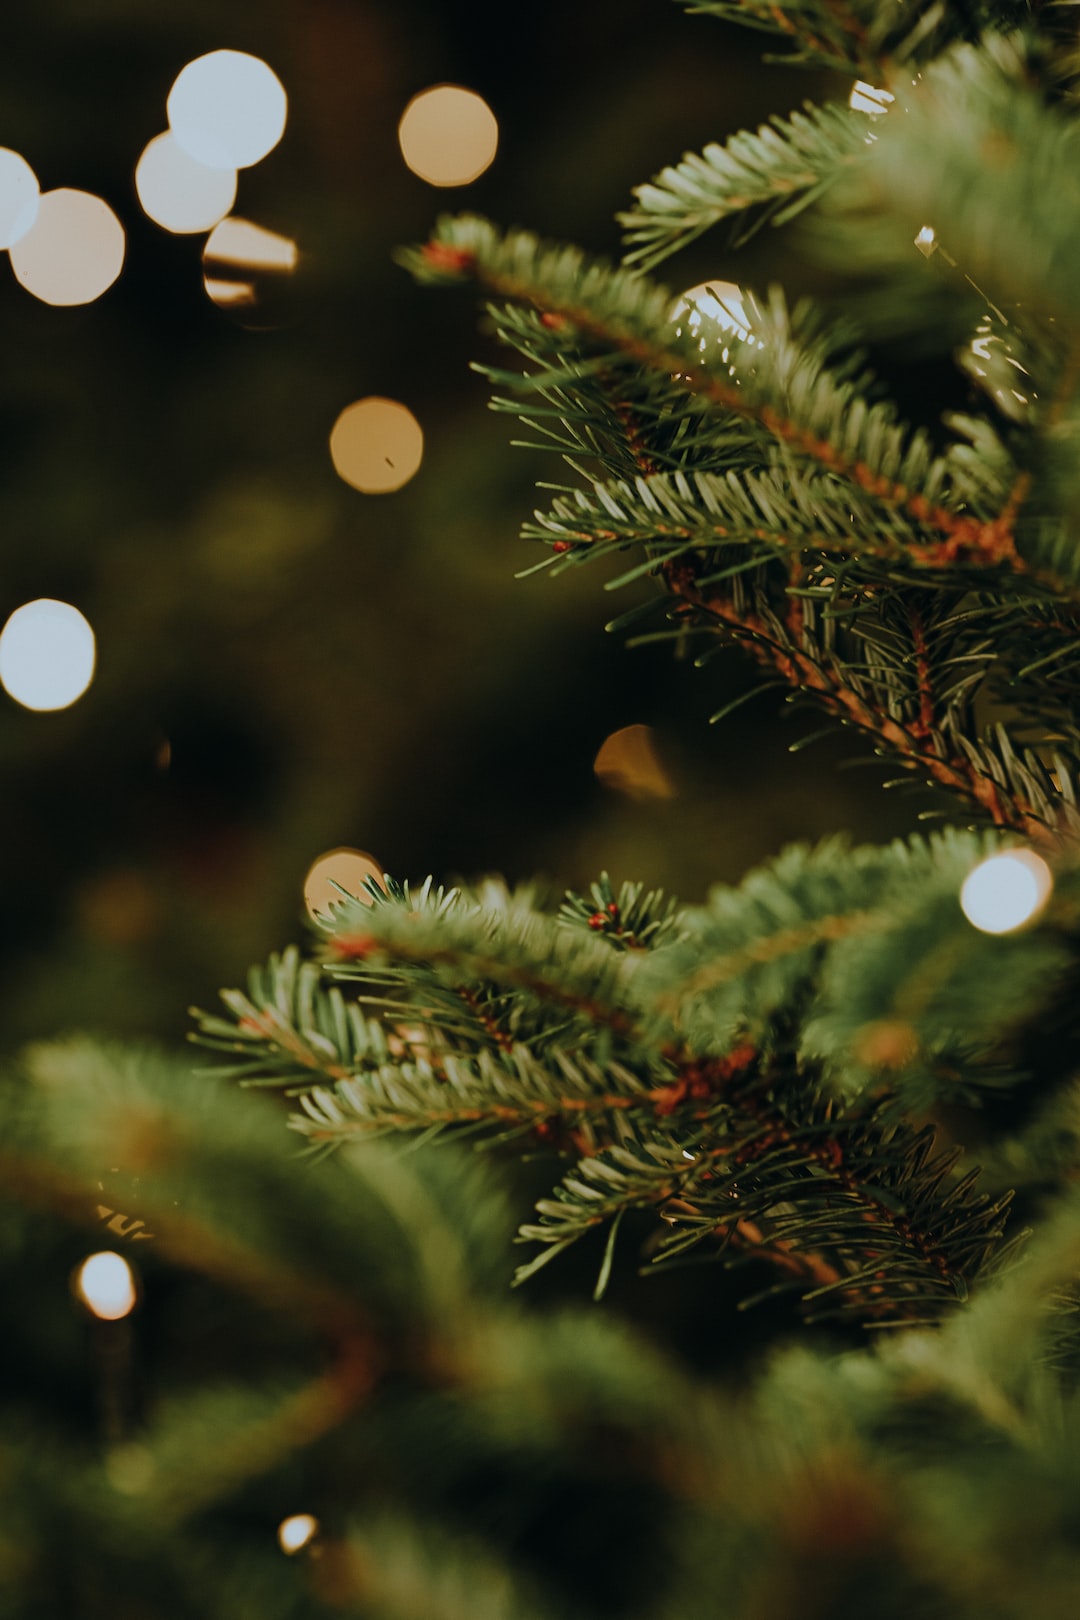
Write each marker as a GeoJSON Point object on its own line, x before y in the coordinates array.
{"type": "Point", "coordinates": [628, 762]}
{"type": "Point", "coordinates": [376, 445]}
{"type": "Point", "coordinates": [74, 250]}
{"type": "Point", "coordinates": [869, 98]}
{"type": "Point", "coordinates": [716, 303]}
{"type": "Point", "coordinates": [248, 272]}
{"type": "Point", "coordinates": [47, 654]}
{"type": "Point", "coordinates": [106, 1285]}
{"type": "Point", "coordinates": [19, 197]}
{"type": "Point", "coordinates": [339, 869]}
{"type": "Point", "coordinates": [227, 109]}
{"type": "Point", "coordinates": [1006, 891]}
{"type": "Point", "coordinates": [178, 193]}
{"type": "Point", "coordinates": [296, 1531]}
{"type": "Point", "coordinates": [448, 135]}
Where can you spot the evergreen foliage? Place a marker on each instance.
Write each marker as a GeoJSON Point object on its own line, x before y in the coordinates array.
{"type": "Point", "coordinates": [824, 1078]}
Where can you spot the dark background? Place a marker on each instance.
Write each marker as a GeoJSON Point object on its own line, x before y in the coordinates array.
{"type": "Point", "coordinates": [327, 667]}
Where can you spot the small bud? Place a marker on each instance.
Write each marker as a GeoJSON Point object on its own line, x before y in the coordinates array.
{"type": "Point", "coordinates": [441, 256]}
{"type": "Point", "coordinates": [354, 947]}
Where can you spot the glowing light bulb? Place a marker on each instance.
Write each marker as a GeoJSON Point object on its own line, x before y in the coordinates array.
{"type": "Point", "coordinates": [19, 197]}
{"type": "Point", "coordinates": [178, 193]}
{"type": "Point", "coordinates": [448, 135]}
{"type": "Point", "coordinates": [376, 445]}
{"type": "Point", "coordinates": [1006, 891]}
{"type": "Point", "coordinates": [869, 98]}
{"type": "Point", "coordinates": [47, 654]}
{"type": "Point", "coordinates": [74, 250]}
{"type": "Point", "coordinates": [227, 109]}
{"type": "Point", "coordinates": [106, 1285]}
{"type": "Point", "coordinates": [336, 870]}
{"type": "Point", "coordinates": [926, 241]}
{"type": "Point", "coordinates": [295, 1532]}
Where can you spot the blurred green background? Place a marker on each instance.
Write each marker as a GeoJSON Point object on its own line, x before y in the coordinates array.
{"type": "Point", "coordinates": [284, 664]}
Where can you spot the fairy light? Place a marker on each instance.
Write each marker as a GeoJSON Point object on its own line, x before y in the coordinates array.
{"type": "Point", "coordinates": [335, 870]}
{"type": "Point", "coordinates": [869, 98]}
{"type": "Point", "coordinates": [105, 1284]}
{"type": "Point", "coordinates": [1006, 891]}
{"type": "Point", "coordinates": [926, 241]}
{"type": "Point", "coordinates": [295, 1532]}
{"type": "Point", "coordinates": [376, 445]}
{"type": "Point", "coordinates": [19, 197]}
{"type": "Point", "coordinates": [448, 135]}
{"type": "Point", "coordinates": [74, 250]}
{"type": "Point", "coordinates": [227, 109]}
{"type": "Point", "coordinates": [177, 192]}
{"type": "Point", "coordinates": [47, 654]}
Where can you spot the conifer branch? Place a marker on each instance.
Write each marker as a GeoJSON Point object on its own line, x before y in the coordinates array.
{"type": "Point", "coordinates": [778, 169]}
{"type": "Point", "coordinates": [918, 749]}
{"type": "Point", "coordinates": [769, 380]}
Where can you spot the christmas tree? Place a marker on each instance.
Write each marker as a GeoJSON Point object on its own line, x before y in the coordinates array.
{"type": "Point", "coordinates": [831, 1113]}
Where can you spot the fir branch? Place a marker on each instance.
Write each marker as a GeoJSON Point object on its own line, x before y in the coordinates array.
{"type": "Point", "coordinates": [1013, 792]}
{"type": "Point", "coordinates": [978, 108]}
{"type": "Point", "coordinates": [772, 379]}
{"type": "Point", "coordinates": [786, 509]}
{"type": "Point", "coordinates": [494, 939]}
{"type": "Point", "coordinates": [779, 169]}
{"type": "Point", "coordinates": [865, 35]}
{"type": "Point", "coordinates": [824, 32]}
{"type": "Point", "coordinates": [857, 1204]}
{"type": "Point", "coordinates": [290, 1029]}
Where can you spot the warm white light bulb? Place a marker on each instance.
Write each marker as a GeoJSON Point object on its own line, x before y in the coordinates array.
{"type": "Point", "coordinates": [178, 193]}
{"type": "Point", "coordinates": [1006, 891]}
{"type": "Point", "coordinates": [296, 1531]}
{"type": "Point", "coordinates": [19, 197]}
{"type": "Point", "coordinates": [47, 654]}
{"type": "Point", "coordinates": [227, 109]}
{"type": "Point", "coordinates": [74, 250]}
{"type": "Point", "coordinates": [106, 1285]}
